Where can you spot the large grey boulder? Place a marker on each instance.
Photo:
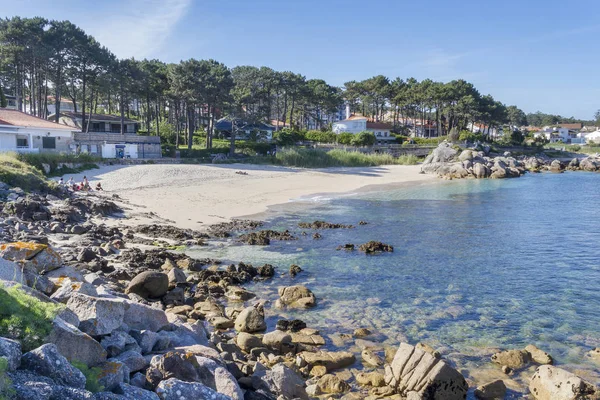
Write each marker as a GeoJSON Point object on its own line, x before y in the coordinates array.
{"type": "Point", "coordinates": [552, 383]}
{"type": "Point", "coordinates": [149, 284]}
{"type": "Point", "coordinates": [97, 316]}
{"type": "Point", "coordinates": [280, 380]}
{"type": "Point", "coordinates": [74, 344]}
{"type": "Point", "coordinates": [11, 351]}
{"type": "Point", "coordinates": [175, 389]}
{"type": "Point", "coordinates": [133, 360]}
{"type": "Point", "coordinates": [112, 374]}
{"type": "Point", "coordinates": [118, 342]}
{"type": "Point", "coordinates": [47, 361]}
{"type": "Point", "coordinates": [130, 392]}
{"type": "Point", "coordinates": [102, 315]}
{"type": "Point", "coordinates": [36, 257]}
{"type": "Point", "coordinates": [68, 287]}
{"type": "Point", "coordinates": [30, 386]}
{"type": "Point", "coordinates": [10, 271]}
{"type": "Point", "coordinates": [415, 370]}
{"type": "Point", "coordinates": [251, 319]}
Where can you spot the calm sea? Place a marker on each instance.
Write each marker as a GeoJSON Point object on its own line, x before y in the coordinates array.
{"type": "Point", "coordinates": [478, 264]}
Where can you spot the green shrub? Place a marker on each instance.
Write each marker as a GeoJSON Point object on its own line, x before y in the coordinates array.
{"type": "Point", "coordinates": [574, 147]}
{"type": "Point", "coordinates": [91, 376]}
{"type": "Point", "coordinates": [429, 141]}
{"type": "Point", "coordinates": [469, 136]}
{"type": "Point", "coordinates": [364, 138]}
{"type": "Point", "coordinates": [345, 138]}
{"type": "Point", "coordinates": [6, 390]}
{"type": "Point", "coordinates": [314, 158]}
{"type": "Point", "coordinates": [17, 173]}
{"type": "Point", "coordinates": [25, 318]}
{"type": "Point", "coordinates": [288, 137]}
{"type": "Point", "coordinates": [55, 159]}
{"type": "Point", "coordinates": [321, 137]}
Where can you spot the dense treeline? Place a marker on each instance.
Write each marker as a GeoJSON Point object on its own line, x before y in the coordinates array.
{"type": "Point", "coordinates": [43, 62]}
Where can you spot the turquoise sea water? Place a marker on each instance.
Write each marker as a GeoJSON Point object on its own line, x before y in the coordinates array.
{"type": "Point", "coordinates": [477, 264]}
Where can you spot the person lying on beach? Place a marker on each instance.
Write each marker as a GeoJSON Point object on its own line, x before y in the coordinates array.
{"type": "Point", "coordinates": [241, 173]}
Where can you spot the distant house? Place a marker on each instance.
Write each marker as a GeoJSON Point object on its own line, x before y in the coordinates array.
{"type": "Point", "coordinates": [559, 134]}
{"type": "Point", "coordinates": [65, 105]}
{"type": "Point", "coordinates": [244, 130]}
{"type": "Point", "coordinates": [98, 122]}
{"type": "Point", "coordinates": [592, 137]}
{"type": "Point", "coordinates": [357, 123]}
{"type": "Point", "coordinates": [104, 137]}
{"type": "Point", "coordinates": [22, 132]}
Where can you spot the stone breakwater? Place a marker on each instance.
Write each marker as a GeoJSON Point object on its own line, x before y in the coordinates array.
{"type": "Point", "coordinates": [156, 324]}
{"type": "Point", "coordinates": [449, 162]}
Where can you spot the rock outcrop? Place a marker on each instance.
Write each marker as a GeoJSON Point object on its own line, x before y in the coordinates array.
{"type": "Point", "coordinates": [415, 370]}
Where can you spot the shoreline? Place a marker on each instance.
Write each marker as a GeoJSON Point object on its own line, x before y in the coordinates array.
{"type": "Point", "coordinates": [176, 192]}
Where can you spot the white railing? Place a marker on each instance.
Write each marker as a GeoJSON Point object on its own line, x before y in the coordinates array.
{"type": "Point", "coordinates": [18, 150]}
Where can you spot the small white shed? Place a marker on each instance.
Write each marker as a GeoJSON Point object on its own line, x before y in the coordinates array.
{"type": "Point", "coordinates": [119, 150]}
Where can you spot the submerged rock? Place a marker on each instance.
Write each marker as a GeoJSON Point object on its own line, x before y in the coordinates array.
{"type": "Point", "coordinates": [375, 247]}
{"type": "Point", "coordinates": [296, 297]}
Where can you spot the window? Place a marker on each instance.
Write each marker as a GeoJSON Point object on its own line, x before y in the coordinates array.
{"type": "Point", "coordinates": [48, 142]}
{"type": "Point", "coordinates": [97, 127]}
{"type": "Point", "coordinates": [22, 142]}
{"type": "Point", "coordinates": [115, 128]}
{"type": "Point", "coordinates": [11, 103]}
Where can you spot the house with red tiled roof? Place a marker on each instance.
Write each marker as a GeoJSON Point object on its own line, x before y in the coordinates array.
{"type": "Point", "coordinates": [22, 132]}
{"type": "Point", "coordinates": [357, 123]}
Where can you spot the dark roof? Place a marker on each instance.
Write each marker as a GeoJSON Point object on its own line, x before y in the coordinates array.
{"type": "Point", "coordinates": [97, 117]}
{"type": "Point", "coordinates": [18, 118]}
{"type": "Point", "coordinates": [225, 124]}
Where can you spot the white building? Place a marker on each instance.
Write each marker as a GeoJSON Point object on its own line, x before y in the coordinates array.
{"type": "Point", "coordinates": [557, 134]}
{"type": "Point", "coordinates": [592, 137]}
{"type": "Point", "coordinates": [22, 132]}
{"type": "Point", "coordinates": [356, 124]}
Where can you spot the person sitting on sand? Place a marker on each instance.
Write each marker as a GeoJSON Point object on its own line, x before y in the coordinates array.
{"type": "Point", "coordinates": [99, 186]}
{"type": "Point", "coordinates": [70, 182]}
{"type": "Point", "coordinates": [61, 182]}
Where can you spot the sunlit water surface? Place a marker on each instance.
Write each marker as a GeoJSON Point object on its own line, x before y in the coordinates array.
{"type": "Point", "coordinates": [477, 264]}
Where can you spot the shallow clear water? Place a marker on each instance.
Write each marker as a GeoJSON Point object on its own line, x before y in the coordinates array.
{"type": "Point", "coordinates": [476, 265]}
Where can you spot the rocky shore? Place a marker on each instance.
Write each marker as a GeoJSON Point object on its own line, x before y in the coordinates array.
{"type": "Point", "coordinates": [103, 309]}
{"type": "Point", "coordinates": [451, 162]}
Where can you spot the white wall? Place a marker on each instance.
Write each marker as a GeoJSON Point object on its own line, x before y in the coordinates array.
{"type": "Point", "coordinates": [352, 126]}
{"type": "Point", "coordinates": [8, 141]}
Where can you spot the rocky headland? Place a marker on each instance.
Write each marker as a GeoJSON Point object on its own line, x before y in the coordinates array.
{"type": "Point", "coordinates": [452, 162]}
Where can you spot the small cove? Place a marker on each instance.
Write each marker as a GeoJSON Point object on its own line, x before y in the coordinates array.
{"type": "Point", "coordinates": [478, 265]}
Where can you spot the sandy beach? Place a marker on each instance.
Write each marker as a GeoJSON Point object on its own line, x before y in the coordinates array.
{"type": "Point", "coordinates": [193, 196]}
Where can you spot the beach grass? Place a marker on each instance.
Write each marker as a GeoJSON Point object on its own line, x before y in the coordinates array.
{"type": "Point", "coordinates": [55, 162]}
{"type": "Point", "coordinates": [25, 318]}
{"type": "Point", "coordinates": [311, 158]}
{"type": "Point", "coordinates": [17, 173]}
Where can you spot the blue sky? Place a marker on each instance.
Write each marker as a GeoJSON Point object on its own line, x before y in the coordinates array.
{"type": "Point", "coordinates": [537, 54]}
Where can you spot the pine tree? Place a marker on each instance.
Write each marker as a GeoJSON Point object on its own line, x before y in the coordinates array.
{"type": "Point", "coordinates": [2, 99]}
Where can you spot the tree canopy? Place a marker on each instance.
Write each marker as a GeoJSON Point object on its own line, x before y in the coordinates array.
{"type": "Point", "coordinates": [45, 62]}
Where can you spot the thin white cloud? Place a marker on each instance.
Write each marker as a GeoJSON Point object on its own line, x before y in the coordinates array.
{"type": "Point", "coordinates": [139, 29]}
